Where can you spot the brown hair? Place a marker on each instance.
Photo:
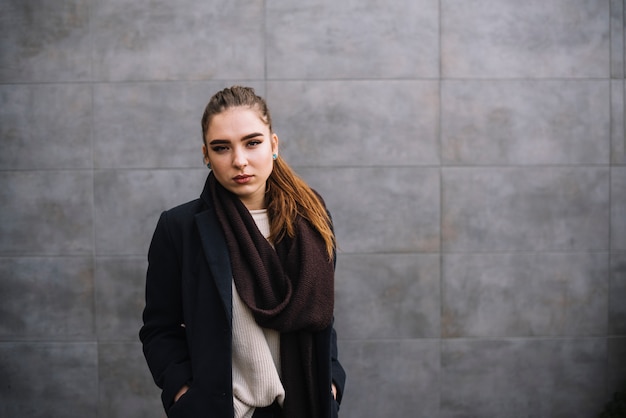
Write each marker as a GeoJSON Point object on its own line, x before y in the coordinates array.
{"type": "Point", "coordinates": [287, 194]}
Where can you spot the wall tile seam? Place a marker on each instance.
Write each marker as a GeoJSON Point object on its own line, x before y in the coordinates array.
{"type": "Point", "coordinates": [442, 78]}
{"type": "Point", "coordinates": [549, 252]}
{"type": "Point", "coordinates": [366, 253]}
{"type": "Point", "coordinates": [610, 210]}
{"type": "Point", "coordinates": [619, 337]}
{"type": "Point", "coordinates": [56, 256]}
{"type": "Point", "coordinates": [606, 165]}
{"type": "Point", "coordinates": [349, 79]}
{"type": "Point", "coordinates": [619, 30]}
{"type": "Point", "coordinates": [439, 46]}
{"type": "Point", "coordinates": [623, 133]}
{"type": "Point", "coordinates": [92, 36]}
{"type": "Point", "coordinates": [45, 83]}
{"type": "Point", "coordinates": [144, 169]}
{"type": "Point", "coordinates": [305, 80]}
{"type": "Point", "coordinates": [55, 341]}
{"type": "Point", "coordinates": [373, 165]}
{"type": "Point", "coordinates": [126, 256]}
{"type": "Point", "coordinates": [46, 170]}
{"type": "Point", "coordinates": [526, 338]}
{"type": "Point", "coordinates": [69, 256]}
{"type": "Point", "coordinates": [479, 339]}
{"type": "Point", "coordinates": [527, 252]}
{"type": "Point", "coordinates": [265, 34]}
{"type": "Point", "coordinates": [341, 339]}
{"type": "Point", "coordinates": [148, 81]}
{"type": "Point", "coordinates": [452, 166]}
{"type": "Point", "coordinates": [308, 167]}
{"type": "Point", "coordinates": [617, 115]}
{"type": "Point", "coordinates": [130, 82]}
{"type": "Point", "coordinates": [94, 206]}
{"type": "Point", "coordinates": [441, 163]}
{"type": "Point", "coordinates": [444, 252]}
{"type": "Point", "coordinates": [529, 79]}
{"type": "Point", "coordinates": [129, 341]}
{"type": "Point", "coordinates": [521, 337]}
{"type": "Point", "coordinates": [143, 256]}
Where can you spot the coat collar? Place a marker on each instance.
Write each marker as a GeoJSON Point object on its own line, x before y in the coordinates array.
{"type": "Point", "coordinates": [216, 252]}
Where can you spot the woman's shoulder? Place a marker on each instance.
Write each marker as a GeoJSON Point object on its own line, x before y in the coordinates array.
{"type": "Point", "coordinates": [179, 221]}
{"type": "Point", "coordinates": [184, 212]}
{"type": "Point", "coordinates": [187, 207]}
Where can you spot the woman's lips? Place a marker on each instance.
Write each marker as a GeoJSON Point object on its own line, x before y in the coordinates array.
{"type": "Point", "coordinates": [242, 179]}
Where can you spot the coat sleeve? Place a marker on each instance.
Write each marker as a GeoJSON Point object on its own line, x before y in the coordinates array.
{"type": "Point", "coordinates": [338, 374]}
{"type": "Point", "coordinates": [162, 334]}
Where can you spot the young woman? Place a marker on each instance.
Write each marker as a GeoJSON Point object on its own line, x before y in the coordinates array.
{"type": "Point", "coordinates": [240, 283]}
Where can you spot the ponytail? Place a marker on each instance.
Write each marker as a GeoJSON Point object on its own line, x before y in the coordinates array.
{"type": "Point", "coordinates": [289, 196]}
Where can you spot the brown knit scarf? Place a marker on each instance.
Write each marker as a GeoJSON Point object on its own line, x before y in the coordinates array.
{"type": "Point", "coordinates": [289, 289]}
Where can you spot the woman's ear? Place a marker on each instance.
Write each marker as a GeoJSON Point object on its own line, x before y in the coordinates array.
{"type": "Point", "coordinates": [274, 144]}
{"type": "Point", "coordinates": [205, 154]}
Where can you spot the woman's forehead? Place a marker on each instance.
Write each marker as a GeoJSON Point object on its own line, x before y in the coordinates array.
{"type": "Point", "coordinates": [237, 121]}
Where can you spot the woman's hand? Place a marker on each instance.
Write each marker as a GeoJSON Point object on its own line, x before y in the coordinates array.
{"type": "Point", "coordinates": [333, 389]}
{"type": "Point", "coordinates": [181, 392]}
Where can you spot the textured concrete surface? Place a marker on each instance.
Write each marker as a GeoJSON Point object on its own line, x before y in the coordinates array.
{"type": "Point", "coordinates": [472, 153]}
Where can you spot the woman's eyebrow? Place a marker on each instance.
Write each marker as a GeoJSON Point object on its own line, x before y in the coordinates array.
{"type": "Point", "coordinates": [227, 141]}
{"type": "Point", "coordinates": [252, 135]}
{"type": "Point", "coordinates": [219, 141]}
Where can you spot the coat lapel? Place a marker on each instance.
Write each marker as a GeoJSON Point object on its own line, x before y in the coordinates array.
{"type": "Point", "coordinates": [216, 253]}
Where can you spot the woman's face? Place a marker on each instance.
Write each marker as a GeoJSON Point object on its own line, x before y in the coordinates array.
{"type": "Point", "coordinates": [239, 146]}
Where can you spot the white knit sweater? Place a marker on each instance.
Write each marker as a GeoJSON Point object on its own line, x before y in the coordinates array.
{"type": "Point", "coordinates": [256, 352]}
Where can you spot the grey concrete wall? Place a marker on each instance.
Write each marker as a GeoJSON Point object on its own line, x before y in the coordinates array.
{"type": "Point", "coordinates": [472, 153]}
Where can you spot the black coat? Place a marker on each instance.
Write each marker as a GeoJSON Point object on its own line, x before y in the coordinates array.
{"type": "Point", "coordinates": [187, 331]}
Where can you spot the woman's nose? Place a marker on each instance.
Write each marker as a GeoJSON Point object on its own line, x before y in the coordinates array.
{"type": "Point", "coordinates": [239, 159]}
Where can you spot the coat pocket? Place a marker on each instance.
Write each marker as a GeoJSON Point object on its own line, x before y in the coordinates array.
{"type": "Point", "coordinates": [198, 402]}
{"type": "Point", "coordinates": [334, 411]}
{"type": "Point", "coordinates": [184, 407]}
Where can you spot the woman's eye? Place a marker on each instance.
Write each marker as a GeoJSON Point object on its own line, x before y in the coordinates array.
{"type": "Point", "coordinates": [254, 143]}
{"type": "Point", "coordinates": [219, 148]}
